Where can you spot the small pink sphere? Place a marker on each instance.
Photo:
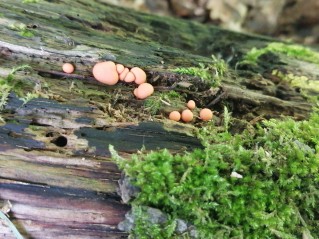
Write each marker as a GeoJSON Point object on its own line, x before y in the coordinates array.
{"type": "Point", "coordinates": [175, 116]}
{"type": "Point", "coordinates": [123, 74]}
{"type": "Point", "coordinates": [140, 75]}
{"type": "Point", "coordinates": [129, 77]}
{"type": "Point", "coordinates": [206, 114]}
{"type": "Point", "coordinates": [68, 68]}
{"type": "Point", "coordinates": [144, 90]}
{"type": "Point", "coordinates": [187, 116]}
{"type": "Point", "coordinates": [119, 68]}
{"type": "Point", "coordinates": [191, 105]}
{"type": "Point", "coordinates": [105, 72]}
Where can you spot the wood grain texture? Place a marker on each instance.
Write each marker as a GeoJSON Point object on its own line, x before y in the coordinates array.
{"type": "Point", "coordinates": [55, 166]}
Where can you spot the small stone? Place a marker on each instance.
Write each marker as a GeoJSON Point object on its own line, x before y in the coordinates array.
{"type": "Point", "coordinates": [304, 147]}
{"type": "Point", "coordinates": [125, 226]}
{"type": "Point", "coordinates": [130, 217]}
{"type": "Point", "coordinates": [126, 189]}
{"type": "Point", "coordinates": [156, 216]}
{"type": "Point", "coordinates": [236, 175]}
{"type": "Point", "coordinates": [181, 226]}
{"type": "Point", "coordinates": [193, 232]}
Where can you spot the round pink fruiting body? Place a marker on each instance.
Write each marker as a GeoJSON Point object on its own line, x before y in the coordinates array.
{"type": "Point", "coordinates": [130, 77]}
{"type": "Point", "coordinates": [144, 90]}
{"type": "Point", "coordinates": [140, 75]}
{"type": "Point", "coordinates": [175, 116]}
{"type": "Point", "coordinates": [105, 72]}
{"type": "Point", "coordinates": [119, 68]}
{"type": "Point", "coordinates": [187, 115]}
{"type": "Point", "coordinates": [206, 114]}
{"type": "Point", "coordinates": [135, 92]}
{"type": "Point", "coordinates": [191, 104]}
{"type": "Point", "coordinates": [124, 73]}
{"type": "Point", "coordinates": [68, 68]}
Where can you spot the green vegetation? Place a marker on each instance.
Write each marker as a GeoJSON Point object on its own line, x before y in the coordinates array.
{"type": "Point", "coordinates": [276, 197]}
{"type": "Point", "coordinates": [291, 50]}
{"type": "Point", "coordinates": [22, 29]}
{"type": "Point", "coordinates": [29, 96]}
{"type": "Point", "coordinates": [143, 227]}
{"type": "Point", "coordinates": [302, 82]}
{"type": "Point", "coordinates": [211, 73]}
{"type": "Point", "coordinates": [30, 1]}
{"type": "Point", "coordinates": [156, 102]}
{"type": "Point", "coordinates": [9, 84]}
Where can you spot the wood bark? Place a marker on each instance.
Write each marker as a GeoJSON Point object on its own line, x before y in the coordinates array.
{"type": "Point", "coordinates": [55, 166]}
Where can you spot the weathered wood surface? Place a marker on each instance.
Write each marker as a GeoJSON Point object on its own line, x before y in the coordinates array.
{"type": "Point", "coordinates": [56, 171]}
{"type": "Point", "coordinates": [54, 163]}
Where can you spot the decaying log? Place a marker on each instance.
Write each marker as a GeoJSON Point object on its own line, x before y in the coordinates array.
{"type": "Point", "coordinates": [55, 167]}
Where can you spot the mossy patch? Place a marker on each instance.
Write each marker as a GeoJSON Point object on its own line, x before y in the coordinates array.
{"type": "Point", "coordinates": [276, 196]}
{"type": "Point", "coordinates": [30, 1]}
{"type": "Point", "coordinates": [9, 83]}
{"type": "Point", "coordinates": [171, 99]}
{"type": "Point", "coordinates": [302, 82]}
{"type": "Point", "coordinates": [211, 73]}
{"type": "Point", "coordinates": [22, 29]}
{"type": "Point", "coordinates": [292, 50]}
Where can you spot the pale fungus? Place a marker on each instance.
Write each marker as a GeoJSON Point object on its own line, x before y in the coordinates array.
{"type": "Point", "coordinates": [124, 73]}
{"type": "Point", "coordinates": [68, 68]}
{"type": "Point", "coordinates": [130, 77]}
{"type": "Point", "coordinates": [175, 116]}
{"type": "Point", "coordinates": [191, 104]}
{"type": "Point", "coordinates": [119, 68]}
{"type": "Point", "coordinates": [206, 114]}
{"type": "Point", "coordinates": [144, 90]}
{"type": "Point", "coordinates": [135, 92]}
{"type": "Point", "coordinates": [187, 115]}
{"type": "Point", "coordinates": [106, 73]}
{"type": "Point", "coordinates": [140, 75]}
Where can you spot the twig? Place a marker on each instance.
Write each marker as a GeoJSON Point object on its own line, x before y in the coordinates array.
{"type": "Point", "coordinates": [217, 99]}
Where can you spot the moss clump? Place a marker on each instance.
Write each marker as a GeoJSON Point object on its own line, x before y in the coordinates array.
{"type": "Point", "coordinates": [157, 101]}
{"type": "Point", "coordinates": [143, 228]}
{"type": "Point", "coordinates": [22, 29]}
{"type": "Point", "coordinates": [276, 198]}
{"type": "Point", "coordinates": [212, 73]}
{"type": "Point", "coordinates": [30, 1]}
{"type": "Point", "coordinates": [9, 84]}
{"type": "Point", "coordinates": [291, 50]}
{"type": "Point", "coordinates": [302, 82]}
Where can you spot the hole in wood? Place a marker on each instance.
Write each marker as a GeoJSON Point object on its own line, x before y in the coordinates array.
{"type": "Point", "coordinates": [60, 141]}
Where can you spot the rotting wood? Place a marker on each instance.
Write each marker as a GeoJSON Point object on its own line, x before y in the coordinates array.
{"type": "Point", "coordinates": [54, 163]}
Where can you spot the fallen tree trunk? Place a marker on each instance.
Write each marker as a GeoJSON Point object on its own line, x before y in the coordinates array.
{"type": "Point", "coordinates": [55, 166]}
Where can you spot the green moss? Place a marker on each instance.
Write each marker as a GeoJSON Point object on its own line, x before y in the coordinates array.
{"type": "Point", "coordinates": [9, 84]}
{"type": "Point", "coordinates": [309, 87]}
{"type": "Point", "coordinates": [30, 1]}
{"type": "Point", "coordinates": [302, 82]}
{"type": "Point", "coordinates": [157, 101]}
{"type": "Point", "coordinates": [291, 50]}
{"type": "Point", "coordinates": [211, 73]}
{"type": "Point", "coordinates": [143, 227]}
{"type": "Point", "coordinates": [22, 29]}
{"type": "Point", "coordinates": [29, 96]}
{"type": "Point", "coordinates": [276, 197]}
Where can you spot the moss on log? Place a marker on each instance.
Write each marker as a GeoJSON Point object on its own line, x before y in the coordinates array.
{"type": "Point", "coordinates": [55, 166]}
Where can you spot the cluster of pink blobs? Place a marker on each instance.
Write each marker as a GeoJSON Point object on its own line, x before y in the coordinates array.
{"type": "Point", "coordinates": [187, 115]}
{"type": "Point", "coordinates": [109, 73]}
